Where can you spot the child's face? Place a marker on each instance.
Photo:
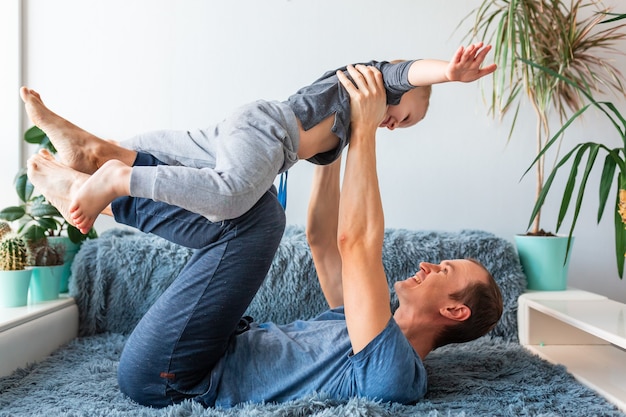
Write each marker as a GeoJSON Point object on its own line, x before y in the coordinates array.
{"type": "Point", "coordinates": [411, 109]}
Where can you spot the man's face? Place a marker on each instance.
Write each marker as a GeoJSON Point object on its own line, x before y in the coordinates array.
{"type": "Point", "coordinates": [429, 289]}
{"type": "Point", "coordinates": [411, 110]}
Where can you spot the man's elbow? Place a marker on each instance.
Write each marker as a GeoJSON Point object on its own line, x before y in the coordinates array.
{"type": "Point", "coordinates": [352, 242]}
{"type": "Point", "coordinates": [316, 238]}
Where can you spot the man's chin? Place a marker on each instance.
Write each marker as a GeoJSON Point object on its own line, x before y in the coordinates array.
{"type": "Point", "coordinates": [408, 283]}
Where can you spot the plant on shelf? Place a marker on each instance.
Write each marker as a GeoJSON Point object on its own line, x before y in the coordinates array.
{"type": "Point", "coordinates": [45, 253]}
{"type": "Point", "coordinates": [552, 34]}
{"type": "Point", "coordinates": [14, 253]}
{"type": "Point", "coordinates": [48, 269]}
{"type": "Point", "coordinates": [39, 221]}
{"type": "Point", "coordinates": [5, 228]}
{"type": "Point", "coordinates": [14, 274]}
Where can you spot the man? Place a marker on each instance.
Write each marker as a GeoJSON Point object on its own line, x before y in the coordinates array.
{"type": "Point", "coordinates": [189, 345]}
{"type": "Point", "coordinates": [455, 301]}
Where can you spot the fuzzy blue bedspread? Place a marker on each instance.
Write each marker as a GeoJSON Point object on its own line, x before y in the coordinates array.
{"type": "Point", "coordinates": [118, 276]}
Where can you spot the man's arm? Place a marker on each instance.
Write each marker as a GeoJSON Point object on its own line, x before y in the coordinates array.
{"type": "Point", "coordinates": [361, 222]}
{"type": "Point", "coordinates": [321, 230]}
{"type": "Point", "coordinates": [465, 66]}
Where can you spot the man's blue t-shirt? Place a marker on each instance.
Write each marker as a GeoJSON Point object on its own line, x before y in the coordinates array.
{"type": "Point", "coordinates": [272, 363]}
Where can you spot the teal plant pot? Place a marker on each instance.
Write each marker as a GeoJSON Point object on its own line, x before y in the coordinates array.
{"type": "Point", "coordinates": [71, 249]}
{"type": "Point", "coordinates": [64, 283]}
{"type": "Point", "coordinates": [45, 283]}
{"type": "Point", "coordinates": [14, 288]}
{"type": "Point", "coordinates": [543, 260]}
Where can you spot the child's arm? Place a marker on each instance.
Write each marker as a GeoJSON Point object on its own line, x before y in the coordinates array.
{"type": "Point", "coordinates": [465, 66]}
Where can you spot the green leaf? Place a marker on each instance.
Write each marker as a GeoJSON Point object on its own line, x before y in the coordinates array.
{"type": "Point", "coordinates": [569, 187]}
{"type": "Point", "coordinates": [92, 234]}
{"type": "Point", "coordinates": [12, 213]}
{"type": "Point", "coordinates": [23, 187]}
{"type": "Point", "coordinates": [617, 114]}
{"type": "Point", "coordinates": [48, 223]}
{"type": "Point", "coordinates": [620, 239]}
{"type": "Point", "coordinates": [614, 19]}
{"type": "Point", "coordinates": [546, 187]}
{"type": "Point", "coordinates": [34, 233]}
{"type": "Point", "coordinates": [593, 153]}
{"type": "Point", "coordinates": [47, 144]}
{"type": "Point", "coordinates": [34, 135]}
{"type": "Point", "coordinates": [556, 137]}
{"type": "Point", "coordinates": [39, 210]}
{"type": "Point", "coordinates": [606, 182]}
{"type": "Point", "coordinates": [74, 234]}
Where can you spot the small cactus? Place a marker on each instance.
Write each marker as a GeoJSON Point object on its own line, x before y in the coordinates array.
{"type": "Point", "coordinates": [14, 253]}
{"type": "Point", "coordinates": [44, 254]}
{"type": "Point", "coordinates": [5, 228]}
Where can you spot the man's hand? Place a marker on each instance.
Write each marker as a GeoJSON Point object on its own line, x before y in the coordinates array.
{"type": "Point", "coordinates": [465, 65]}
{"type": "Point", "coordinates": [368, 98]}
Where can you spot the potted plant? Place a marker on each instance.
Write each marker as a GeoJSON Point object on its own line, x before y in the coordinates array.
{"type": "Point", "coordinates": [37, 218]}
{"type": "Point", "coordinates": [613, 174]}
{"type": "Point", "coordinates": [553, 34]}
{"type": "Point", "coordinates": [48, 268]}
{"type": "Point", "coordinates": [14, 272]}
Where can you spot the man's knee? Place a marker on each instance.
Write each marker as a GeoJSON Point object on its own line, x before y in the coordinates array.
{"type": "Point", "coordinates": [141, 384]}
{"type": "Point", "coordinates": [270, 219]}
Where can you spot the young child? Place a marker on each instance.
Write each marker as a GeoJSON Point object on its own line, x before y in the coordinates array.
{"type": "Point", "coordinates": [220, 172]}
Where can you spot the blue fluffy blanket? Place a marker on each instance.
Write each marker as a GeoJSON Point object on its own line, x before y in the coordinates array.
{"type": "Point", "coordinates": [118, 276]}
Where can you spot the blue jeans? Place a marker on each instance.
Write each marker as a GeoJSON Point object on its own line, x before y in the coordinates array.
{"type": "Point", "coordinates": [170, 354]}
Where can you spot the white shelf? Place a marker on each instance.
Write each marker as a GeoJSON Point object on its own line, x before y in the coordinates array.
{"type": "Point", "coordinates": [31, 333]}
{"type": "Point", "coordinates": [583, 331]}
{"type": "Point", "coordinates": [14, 316]}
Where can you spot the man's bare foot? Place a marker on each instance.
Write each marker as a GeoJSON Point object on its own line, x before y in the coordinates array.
{"type": "Point", "coordinates": [77, 148]}
{"type": "Point", "coordinates": [55, 181]}
{"type": "Point", "coordinates": [112, 180]}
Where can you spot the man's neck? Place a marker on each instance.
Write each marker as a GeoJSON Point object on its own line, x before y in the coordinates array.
{"type": "Point", "coordinates": [422, 338]}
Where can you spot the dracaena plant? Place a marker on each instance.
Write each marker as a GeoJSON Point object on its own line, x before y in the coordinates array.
{"type": "Point", "coordinates": [584, 157]}
{"type": "Point", "coordinates": [563, 36]}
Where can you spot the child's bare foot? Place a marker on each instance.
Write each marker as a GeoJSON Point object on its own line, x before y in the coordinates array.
{"type": "Point", "coordinates": [112, 180]}
{"type": "Point", "coordinates": [77, 148]}
{"type": "Point", "coordinates": [55, 181]}
{"type": "Point", "coordinates": [108, 211]}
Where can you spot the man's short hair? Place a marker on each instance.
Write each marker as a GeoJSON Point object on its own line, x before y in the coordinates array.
{"type": "Point", "coordinates": [484, 299]}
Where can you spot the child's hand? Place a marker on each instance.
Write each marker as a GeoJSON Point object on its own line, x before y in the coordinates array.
{"type": "Point", "coordinates": [465, 66]}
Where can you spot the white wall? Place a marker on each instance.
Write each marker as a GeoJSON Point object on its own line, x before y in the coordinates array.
{"type": "Point", "coordinates": [10, 116]}
{"type": "Point", "coordinates": [120, 67]}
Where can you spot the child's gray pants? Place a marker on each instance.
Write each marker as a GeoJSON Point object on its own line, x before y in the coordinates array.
{"type": "Point", "coordinates": [219, 172]}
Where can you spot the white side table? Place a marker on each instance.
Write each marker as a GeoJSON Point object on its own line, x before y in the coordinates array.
{"type": "Point", "coordinates": [31, 333]}
{"type": "Point", "coordinates": [583, 331]}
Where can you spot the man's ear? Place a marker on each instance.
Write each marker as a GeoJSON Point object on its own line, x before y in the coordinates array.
{"type": "Point", "coordinates": [457, 312]}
